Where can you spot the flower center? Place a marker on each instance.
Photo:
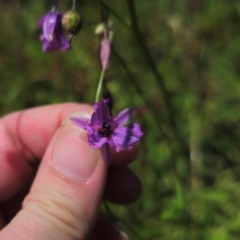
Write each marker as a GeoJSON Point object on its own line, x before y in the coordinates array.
{"type": "Point", "coordinates": [105, 130]}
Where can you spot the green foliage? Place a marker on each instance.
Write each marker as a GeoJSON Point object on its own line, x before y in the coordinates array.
{"type": "Point", "coordinates": [179, 64]}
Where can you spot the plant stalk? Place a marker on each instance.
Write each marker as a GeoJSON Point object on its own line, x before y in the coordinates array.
{"type": "Point", "coordinates": [74, 5]}
{"type": "Point", "coordinates": [100, 83]}
{"type": "Point", "coordinates": [158, 77]}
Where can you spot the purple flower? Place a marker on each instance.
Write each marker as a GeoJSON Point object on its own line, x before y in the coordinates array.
{"type": "Point", "coordinates": [53, 37]}
{"type": "Point", "coordinates": [104, 131]}
{"type": "Point", "coordinates": [105, 51]}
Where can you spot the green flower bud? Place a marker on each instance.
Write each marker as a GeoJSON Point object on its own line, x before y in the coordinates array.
{"type": "Point", "coordinates": [71, 21]}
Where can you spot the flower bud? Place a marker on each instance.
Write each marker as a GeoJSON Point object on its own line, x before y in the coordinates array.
{"type": "Point", "coordinates": [105, 50]}
{"type": "Point", "coordinates": [72, 22]}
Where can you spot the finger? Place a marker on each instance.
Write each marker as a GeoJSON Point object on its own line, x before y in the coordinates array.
{"type": "Point", "coordinates": [123, 186]}
{"type": "Point", "coordinates": [24, 137]}
{"type": "Point", "coordinates": [65, 196]}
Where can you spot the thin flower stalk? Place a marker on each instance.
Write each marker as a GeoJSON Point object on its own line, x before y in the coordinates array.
{"type": "Point", "coordinates": [100, 84]}
{"type": "Point", "coordinates": [105, 52]}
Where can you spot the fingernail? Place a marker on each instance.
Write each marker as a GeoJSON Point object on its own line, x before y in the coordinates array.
{"type": "Point", "coordinates": [71, 154]}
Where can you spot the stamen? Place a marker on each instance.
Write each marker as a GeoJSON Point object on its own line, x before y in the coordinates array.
{"type": "Point", "coordinates": [105, 130]}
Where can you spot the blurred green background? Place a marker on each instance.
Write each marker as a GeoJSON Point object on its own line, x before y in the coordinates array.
{"type": "Point", "coordinates": [179, 63]}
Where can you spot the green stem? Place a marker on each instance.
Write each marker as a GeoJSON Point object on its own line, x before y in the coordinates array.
{"type": "Point", "coordinates": [119, 223]}
{"type": "Point", "coordinates": [141, 42]}
{"type": "Point", "coordinates": [100, 9]}
{"type": "Point", "coordinates": [148, 104]}
{"type": "Point", "coordinates": [100, 85]}
{"type": "Point", "coordinates": [114, 13]}
{"type": "Point", "coordinates": [54, 7]}
{"type": "Point", "coordinates": [74, 5]}
{"type": "Point", "coordinates": [108, 211]}
{"type": "Point", "coordinates": [158, 77]}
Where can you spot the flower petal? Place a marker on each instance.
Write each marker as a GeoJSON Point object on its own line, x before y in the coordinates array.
{"type": "Point", "coordinates": [49, 26]}
{"type": "Point", "coordinates": [102, 114]}
{"type": "Point", "coordinates": [95, 140]}
{"type": "Point", "coordinates": [124, 116]}
{"type": "Point", "coordinates": [81, 122]}
{"type": "Point", "coordinates": [53, 37]}
{"type": "Point", "coordinates": [124, 137]}
{"type": "Point", "coordinates": [49, 46]}
{"type": "Point", "coordinates": [41, 21]}
{"type": "Point", "coordinates": [106, 154]}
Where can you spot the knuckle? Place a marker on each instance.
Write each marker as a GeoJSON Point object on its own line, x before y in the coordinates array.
{"type": "Point", "coordinates": [59, 210]}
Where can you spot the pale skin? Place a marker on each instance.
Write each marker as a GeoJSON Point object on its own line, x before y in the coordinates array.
{"type": "Point", "coordinates": [52, 182]}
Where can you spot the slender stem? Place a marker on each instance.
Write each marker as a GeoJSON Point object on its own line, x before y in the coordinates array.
{"type": "Point", "coordinates": [108, 210]}
{"type": "Point", "coordinates": [149, 105]}
{"type": "Point", "coordinates": [101, 10]}
{"type": "Point", "coordinates": [158, 121]}
{"type": "Point", "coordinates": [54, 7]}
{"type": "Point", "coordinates": [158, 77]}
{"type": "Point", "coordinates": [117, 221]}
{"type": "Point", "coordinates": [74, 5]}
{"type": "Point", "coordinates": [100, 83]}
{"type": "Point", "coordinates": [114, 13]}
{"type": "Point", "coordinates": [139, 38]}
{"type": "Point", "coordinates": [100, 7]}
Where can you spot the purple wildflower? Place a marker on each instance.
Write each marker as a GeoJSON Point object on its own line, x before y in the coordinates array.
{"type": "Point", "coordinates": [104, 131]}
{"type": "Point", "coordinates": [105, 51]}
{"type": "Point", "coordinates": [53, 37]}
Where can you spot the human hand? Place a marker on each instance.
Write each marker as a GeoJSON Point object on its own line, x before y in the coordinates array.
{"type": "Point", "coordinates": [67, 178]}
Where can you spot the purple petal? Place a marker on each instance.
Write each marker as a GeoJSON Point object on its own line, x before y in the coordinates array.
{"type": "Point", "coordinates": [106, 154]}
{"type": "Point", "coordinates": [49, 25]}
{"type": "Point", "coordinates": [53, 37]}
{"type": "Point", "coordinates": [101, 114]}
{"type": "Point", "coordinates": [95, 140]}
{"type": "Point", "coordinates": [41, 21]}
{"type": "Point", "coordinates": [81, 122]}
{"type": "Point", "coordinates": [105, 52]}
{"type": "Point", "coordinates": [124, 116]}
{"type": "Point", "coordinates": [49, 46]}
{"type": "Point", "coordinates": [60, 38]}
{"type": "Point", "coordinates": [97, 104]}
{"type": "Point", "coordinates": [124, 137]}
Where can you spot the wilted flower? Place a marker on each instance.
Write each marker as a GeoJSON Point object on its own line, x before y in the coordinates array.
{"type": "Point", "coordinates": [105, 51]}
{"type": "Point", "coordinates": [105, 131]}
{"type": "Point", "coordinates": [53, 37]}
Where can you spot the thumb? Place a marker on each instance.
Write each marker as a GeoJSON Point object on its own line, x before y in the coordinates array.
{"type": "Point", "coordinates": [65, 197]}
